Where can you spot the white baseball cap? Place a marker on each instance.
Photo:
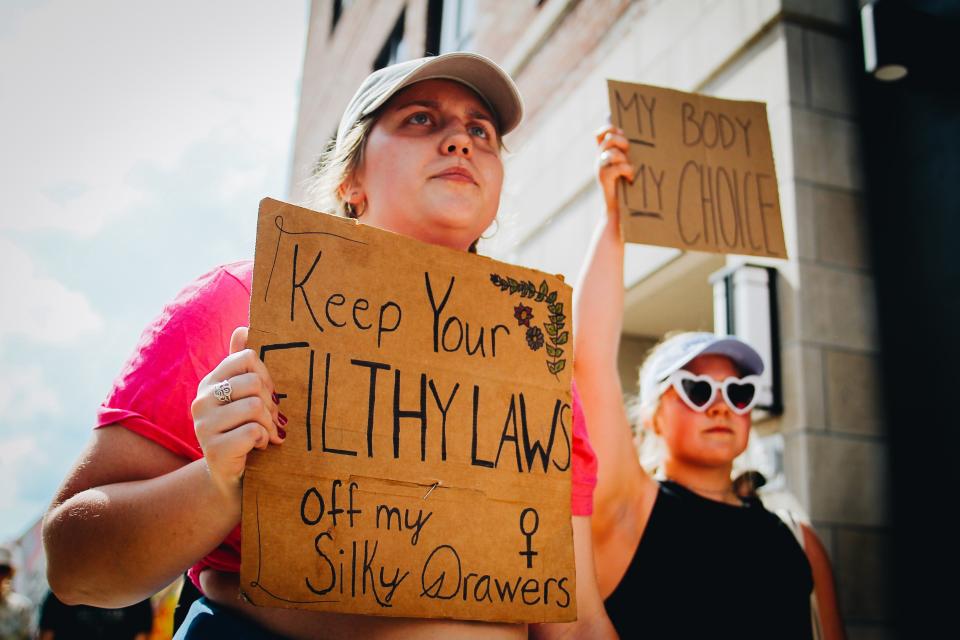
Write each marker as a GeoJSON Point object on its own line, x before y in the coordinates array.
{"type": "Point", "coordinates": [481, 74]}
{"type": "Point", "coordinates": [677, 352]}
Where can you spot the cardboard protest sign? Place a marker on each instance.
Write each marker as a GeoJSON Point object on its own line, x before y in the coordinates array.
{"type": "Point", "coordinates": [705, 178]}
{"type": "Point", "coordinates": [426, 470]}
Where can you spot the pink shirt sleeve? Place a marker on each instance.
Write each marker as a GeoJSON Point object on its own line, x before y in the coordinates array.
{"type": "Point", "coordinates": [153, 393]}
{"type": "Point", "coordinates": [584, 467]}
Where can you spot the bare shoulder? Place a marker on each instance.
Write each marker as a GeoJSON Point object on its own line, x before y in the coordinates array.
{"type": "Point", "coordinates": [116, 454]}
{"type": "Point", "coordinates": [824, 585]}
{"type": "Point", "coordinates": [816, 552]}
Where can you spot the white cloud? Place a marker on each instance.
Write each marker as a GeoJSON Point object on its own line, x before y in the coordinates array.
{"type": "Point", "coordinates": [236, 181]}
{"type": "Point", "coordinates": [24, 394]}
{"type": "Point", "coordinates": [101, 102]}
{"type": "Point", "coordinates": [17, 454]}
{"type": "Point", "coordinates": [37, 306]}
{"type": "Point", "coordinates": [20, 458]}
{"type": "Point", "coordinates": [83, 214]}
{"type": "Point", "coordinates": [96, 91]}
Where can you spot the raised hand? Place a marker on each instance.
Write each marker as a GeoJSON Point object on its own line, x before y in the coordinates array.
{"type": "Point", "coordinates": [612, 164]}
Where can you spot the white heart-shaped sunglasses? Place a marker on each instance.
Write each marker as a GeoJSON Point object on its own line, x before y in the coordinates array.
{"type": "Point", "coordinates": [698, 391]}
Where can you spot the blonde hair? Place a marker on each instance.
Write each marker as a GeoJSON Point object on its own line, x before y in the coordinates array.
{"type": "Point", "coordinates": [651, 449]}
{"type": "Point", "coordinates": [336, 164]}
{"type": "Point", "coordinates": [643, 409]}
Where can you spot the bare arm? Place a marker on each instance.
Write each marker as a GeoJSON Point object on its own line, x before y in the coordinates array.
{"type": "Point", "coordinates": [624, 492]}
{"type": "Point", "coordinates": [824, 586]}
{"type": "Point", "coordinates": [121, 527]}
{"type": "Point", "coordinates": [592, 620]}
{"type": "Point", "coordinates": [131, 515]}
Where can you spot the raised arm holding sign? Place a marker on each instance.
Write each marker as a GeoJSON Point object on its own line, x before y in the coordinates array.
{"type": "Point", "coordinates": [724, 566]}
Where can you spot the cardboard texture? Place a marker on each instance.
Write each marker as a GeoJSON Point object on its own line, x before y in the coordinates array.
{"type": "Point", "coordinates": [705, 178]}
{"type": "Point", "coordinates": [426, 470]}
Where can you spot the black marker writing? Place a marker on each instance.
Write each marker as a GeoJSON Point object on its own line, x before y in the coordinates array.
{"type": "Point", "coordinates": [528, 527]}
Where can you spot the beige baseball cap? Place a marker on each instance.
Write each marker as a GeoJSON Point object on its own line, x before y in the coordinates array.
{"type": "Point", "coordinates": [477, 72]}
{"type": "Point", "coordinates": [677, 352]}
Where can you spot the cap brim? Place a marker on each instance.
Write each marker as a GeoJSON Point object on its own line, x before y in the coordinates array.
{"type": "Point", "coordinates": [743, 355]}
{"type": "Point", "coordinates": [487, 79]}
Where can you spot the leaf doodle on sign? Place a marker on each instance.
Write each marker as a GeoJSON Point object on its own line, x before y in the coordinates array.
{"type": "Point", "coordinates": [554, 326]}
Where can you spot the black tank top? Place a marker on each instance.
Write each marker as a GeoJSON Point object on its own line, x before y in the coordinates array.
{"type": "Point", "coordinates": [705, 569]}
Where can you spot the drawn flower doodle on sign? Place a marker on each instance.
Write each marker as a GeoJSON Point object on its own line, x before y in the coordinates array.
{"type": "Point", "coordinates": [523, 314]}
{"type": "Point", "coordinates": [555, 336]}
{"type": "Point", "coordinates": [534, 338]}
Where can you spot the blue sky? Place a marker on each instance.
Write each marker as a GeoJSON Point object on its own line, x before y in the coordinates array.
{"type": "Point", "coordinates": [138, 139]}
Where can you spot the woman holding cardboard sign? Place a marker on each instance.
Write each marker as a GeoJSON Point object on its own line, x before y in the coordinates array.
{"type": "Point", "coordinates": [684, 556]}
{"type": "Point", "coordinates": [157, 492]}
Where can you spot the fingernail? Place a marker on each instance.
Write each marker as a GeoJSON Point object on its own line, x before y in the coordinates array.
{"type": "Point", "coordinates": [281, 418]}
{"type": "Point", "coordinates": [276, 398]}
{"type": "Point", "coordinates": [282, 433]}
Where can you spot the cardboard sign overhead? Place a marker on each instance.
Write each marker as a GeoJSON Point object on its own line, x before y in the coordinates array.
{"type": "Point", "coordinates": [705, 178]}
{"type": "Point", "coordinates": [426, 470]}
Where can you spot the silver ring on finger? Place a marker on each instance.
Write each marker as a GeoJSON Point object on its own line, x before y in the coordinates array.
{"type": "Point", "coordinates": [606, 159]}
{"type": "Point", "coordinates": [222, 391]}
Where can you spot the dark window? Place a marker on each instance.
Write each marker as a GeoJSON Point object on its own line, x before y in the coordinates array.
{"type": "Point", "coordinates": [434, 24]}
{"type": "Point", "coordinates": [391, 48]}
{"type": "Point", "coordinates": [339, 7]}
{"type": "Point", "coordinates": [337, 11]}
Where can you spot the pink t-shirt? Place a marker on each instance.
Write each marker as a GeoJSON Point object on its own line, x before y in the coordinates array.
{"type": "Point", "coordinates": [153, 393]}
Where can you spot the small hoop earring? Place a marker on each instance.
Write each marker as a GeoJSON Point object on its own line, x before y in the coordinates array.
{"type": "Point", "coordinates": [351, 210]}
{"type": "Point", "coordinates": [496, 229]}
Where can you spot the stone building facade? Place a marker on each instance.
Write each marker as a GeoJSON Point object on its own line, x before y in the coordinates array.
{"type": "Point", "coordinates": [798, 56]}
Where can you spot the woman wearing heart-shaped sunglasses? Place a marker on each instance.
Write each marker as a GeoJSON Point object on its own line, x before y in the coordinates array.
{"type": "Point", "coordinates": [683, 556]}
